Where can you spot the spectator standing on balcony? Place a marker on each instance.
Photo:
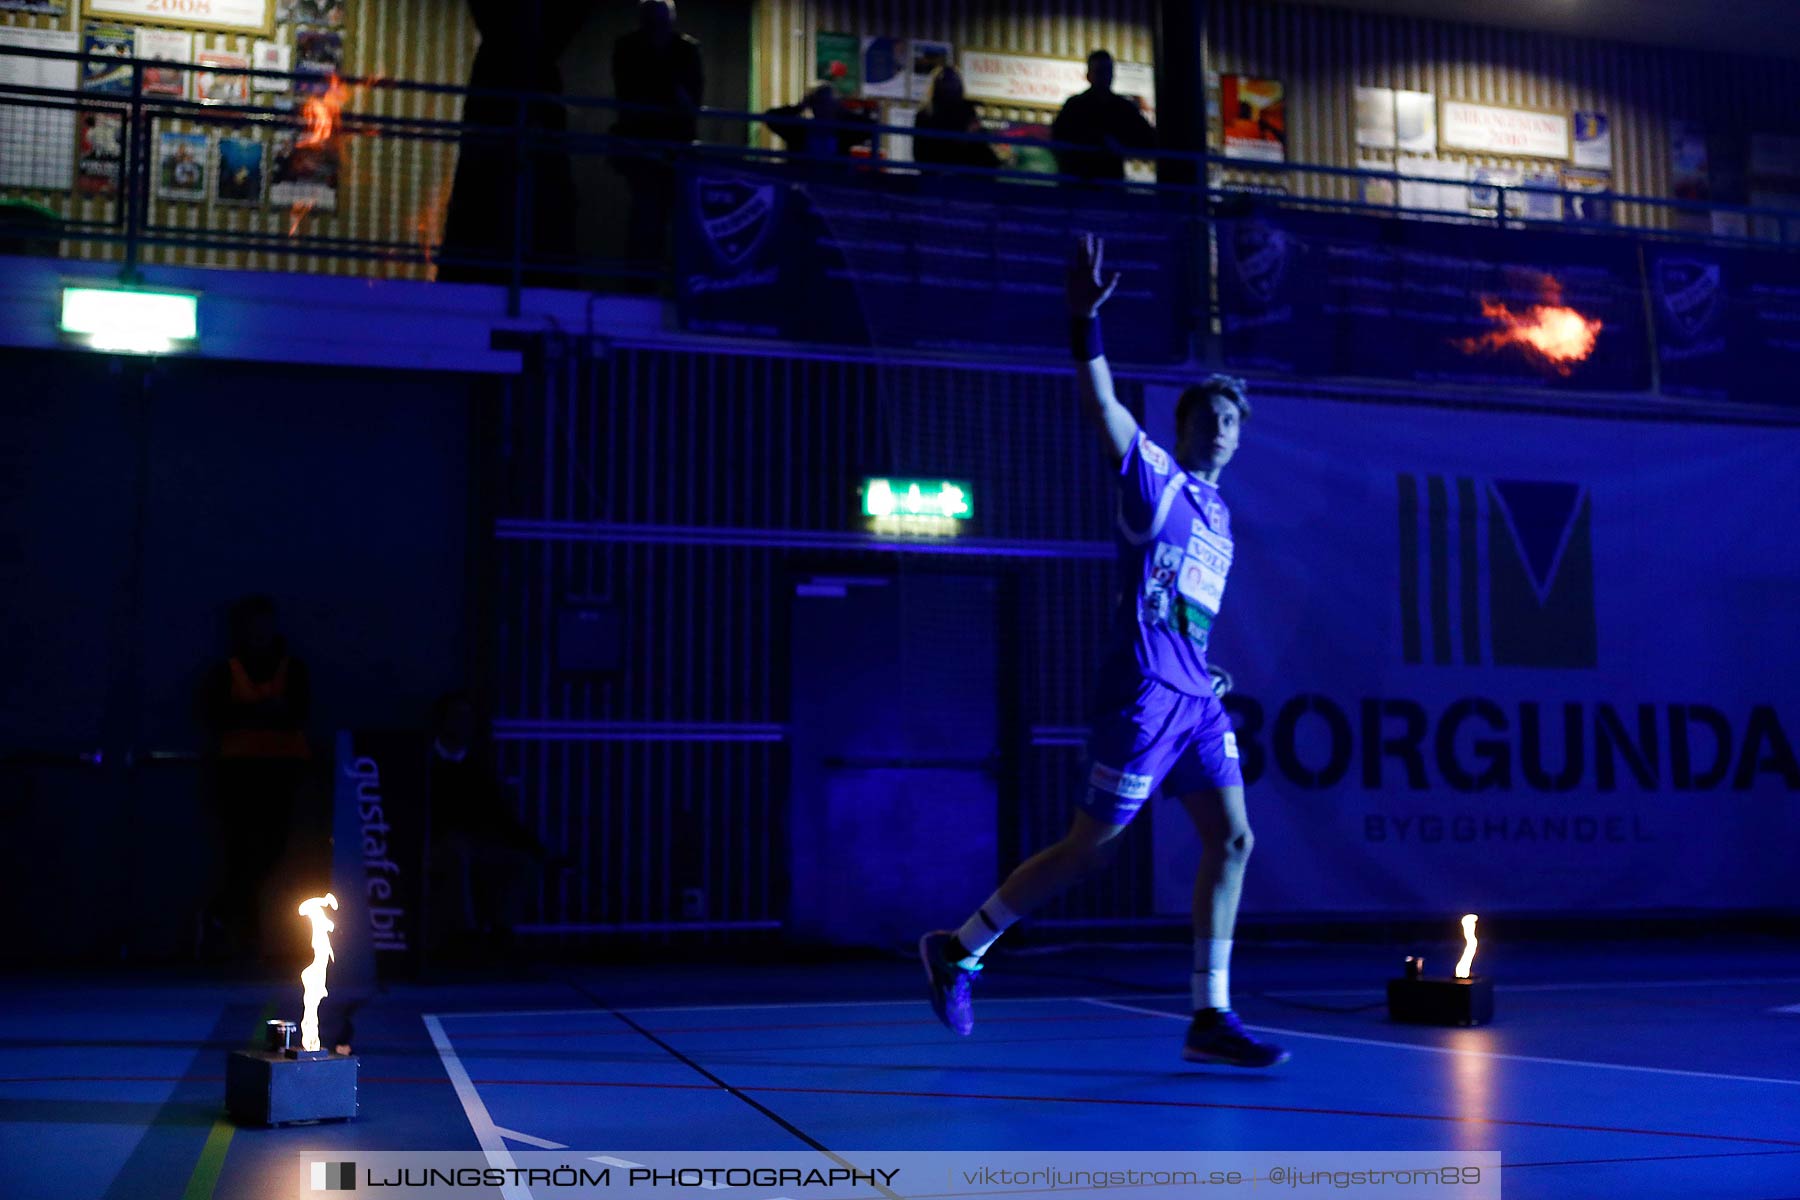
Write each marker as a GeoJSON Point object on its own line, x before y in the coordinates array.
{"type": "Point", "coordinates": [659, 71]}
{"type": "Point", "coordinates": [1103, 119]}
{"type": "Point", "coordinates": [819, 127]}
{"type": "Point", "coordinates": [947, 110]}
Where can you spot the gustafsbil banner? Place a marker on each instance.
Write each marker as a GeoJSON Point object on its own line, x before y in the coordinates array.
{"type": "Point", "coordinates": [1339, 294]}
{"type": "Point", "coordinates": [872, 261]}
{"type": "Point", "coordinates": [378, 857]}
{"type": "Point", "coordinates": [1495, 661]}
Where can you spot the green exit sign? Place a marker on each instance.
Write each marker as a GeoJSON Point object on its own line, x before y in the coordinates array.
{"type": "Point", "coordinates": [947, 499]}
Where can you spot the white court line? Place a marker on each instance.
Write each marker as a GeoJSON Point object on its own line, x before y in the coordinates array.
{"type": "Point", "coordinates": [666, 1008]}
{"type": "Point", "coordinates": [1530, 1058]}
{"type": "Point", "coordinates": [486, 1132]}
{"type": "Point", "coordinates": [539, 1142]}
{"type": "Point", "coordinates": [1566, 987]}
{"type": "Point", "coordinates": [1793, 1008]}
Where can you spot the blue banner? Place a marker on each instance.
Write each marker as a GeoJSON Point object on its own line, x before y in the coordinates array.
{"type": "Point", "coordinates": [1340, 294]}
{"type": "Point", "coordinates": [1507, 662]}
{"type": "Point", "coordinates": [920, 264]}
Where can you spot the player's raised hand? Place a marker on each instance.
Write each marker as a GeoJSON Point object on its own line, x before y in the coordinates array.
{"type": "Point", "coordinates": [1088, 285]}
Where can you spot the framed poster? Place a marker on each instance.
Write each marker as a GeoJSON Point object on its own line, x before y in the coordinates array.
{"type": "Point", "coordinates": [305, 175]}
{"type": "Point", "coordinates": [838, 57]}
{"type": "Point", "coordinates": [170, 46]}
{"type": "Point", "coordinates": [927, 57]}
{"type": "Point", "coordinates": [885, 69]}
{"type": "Point", "coordinates": [1375, 118]}
{"type": "Point", "coordinates": [105, 51]}
{"type": "Point", "coordinates": [271, 56]}
{"type": "Point", "coordinates": [1517, 132]}
{"type": "Point", "coordinates": [1593, 142]}
{"type": "Point", "coordinates": [309, 12]}
{"type": "Point", "coordinates": [101, 146]}
{"type": "Point", "coordinates": [226, 85]}
{"type": "Point", "coordinates": [239, 169]}
{"type": "Point", "coordinates": [181, 163]}
{"type": "Point", "coordinates": [238, 16]}
{"type": "Point", "coordinates": [1254, 112]}
{"type": "Point", "coordinates": [37, 140]}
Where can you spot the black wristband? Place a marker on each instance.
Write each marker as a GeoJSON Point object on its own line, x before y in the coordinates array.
{"type": "Point", "coordinates": [1084, 339]}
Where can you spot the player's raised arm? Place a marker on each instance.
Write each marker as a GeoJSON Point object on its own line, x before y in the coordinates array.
{"type": "Point", "coordinates": [1088, 290]}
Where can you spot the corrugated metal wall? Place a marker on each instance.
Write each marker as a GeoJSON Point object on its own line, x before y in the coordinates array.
{"type": "Point", "coordinates": [1323, 54]}
{"type": "Point", "coordinates": [688, 490]}
{"type": "Point", "coordinates": [783, 32]}
{"type": "Point", "coordinates": [388, 189]}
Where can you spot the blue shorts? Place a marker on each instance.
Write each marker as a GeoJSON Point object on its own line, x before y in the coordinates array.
{"type": "Point", "coordinates": [1154, 736]}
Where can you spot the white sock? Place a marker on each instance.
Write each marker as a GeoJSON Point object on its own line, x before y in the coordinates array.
{"type": "Point", "coordinates": [1212, 973]}
{"type": "Point", "coordinates": [984, 928]}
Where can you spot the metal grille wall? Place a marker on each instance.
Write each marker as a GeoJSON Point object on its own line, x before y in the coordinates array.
{"type": "Point", "coordinates": [681, 496]}
{"type": "Point", "coordinates": [390, 190]}
{"type": "Point", "coordinates": [1324, 54]}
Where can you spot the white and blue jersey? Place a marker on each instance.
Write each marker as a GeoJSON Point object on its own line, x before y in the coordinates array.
{"type": "Point", "coordinates": [1174, 539]}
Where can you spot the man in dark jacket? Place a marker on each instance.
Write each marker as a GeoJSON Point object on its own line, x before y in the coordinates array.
{"type": "Point", "coordinates": [1101, 118]}
{"type": "Point", "coordinates": [659, 79]}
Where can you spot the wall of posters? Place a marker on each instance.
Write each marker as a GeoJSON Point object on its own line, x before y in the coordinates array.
{"type": "Point", "coordinates": [1486, 129]}
{"type": "Point", "coordinates": [1254, 116]}
{"type": "Point", "coordinates": [181, 165]}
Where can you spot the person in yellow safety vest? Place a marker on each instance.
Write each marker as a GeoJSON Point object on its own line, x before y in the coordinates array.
{"type": "Point", "coordinates": [256, 704]}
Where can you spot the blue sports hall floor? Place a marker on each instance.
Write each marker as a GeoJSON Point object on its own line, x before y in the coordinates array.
{"type": "Point", "coordinates": [1637, 1069]}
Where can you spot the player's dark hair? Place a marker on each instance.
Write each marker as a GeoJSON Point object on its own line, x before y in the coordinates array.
{"type": "Point", "coordinates": [1228, 386]}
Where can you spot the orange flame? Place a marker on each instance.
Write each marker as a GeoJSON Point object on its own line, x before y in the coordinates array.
{"type": "Point", "coordinates": [323, 113]}
{"type": "Point", "coordinates": [1548, 331]}
{"type": "Point", "coordinates": [312, 979]}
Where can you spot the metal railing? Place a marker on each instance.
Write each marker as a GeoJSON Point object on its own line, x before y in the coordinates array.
{"type": "Point", "coordinates": [403, 139]}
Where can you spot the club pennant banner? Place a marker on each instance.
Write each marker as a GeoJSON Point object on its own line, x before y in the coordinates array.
{"type": "Point", "coordinates": [1506, 662]}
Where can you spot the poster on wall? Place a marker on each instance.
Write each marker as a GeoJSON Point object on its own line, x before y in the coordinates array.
{"type": "Point", "coordinates": [271, 56]}
{"type": "Point", "coordinates": [1044, 83]}
{"type": "Point", "coordinates": [1255, 118]}
{"type": "Point", "coordinates": [239, 169]}
{"type": "Point", "coordinates": [1375, 118]}
{"type": "Point", "coordinates": [319, 53]}
{"type": "Point", "coordinates": [169, 46]}
{"type": "Point", "coordinates": [1014, 156]}
{"type": "Point", "coordinates": [1415, 122]}
{"type": "Point", "coordinates": [1487, 129]}
{"type": "Point", "coordinates": [1378, 188]}
{"type": "Point", "coordinates": [926, 58]}
{"type": "Point", "coordinates": [102, 149]}
{"type": "Point", "coordinates": [837, 57]}
{"type": "Point", "coordinates": [36, 8]}
{"type": "Point", "coordinates": [898, 147]}
{"type": "Point", "coordinates": [1688, 168]}
{"type": "Point", "coordinates": [1537, 199]}
{"type": "Point", "coordinates": [1419, 193]}
{"type": "Point", "coordinates": [1592, 205]}
{"type": "Point", "coordinates": [225, 82]}
{"type": "Point", "coordinates": [1593, 142]}
{"type": "Point", "coordinates": [886, 73]}
{"type": "Point", "coordinates": [34, 142]}
{"type": "Point", "coordinates": [181, 160]}
{"type": "Point", "coordinates": [1484, 196]}
{"type": "Point", "coordinates": [305, 175]}
{"type": "Point", "coordinates": [103, 51]}
{"type": "Point", "coordinates": [309, 12]}
{"type": "Point", "coordinates": [239, 16]}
